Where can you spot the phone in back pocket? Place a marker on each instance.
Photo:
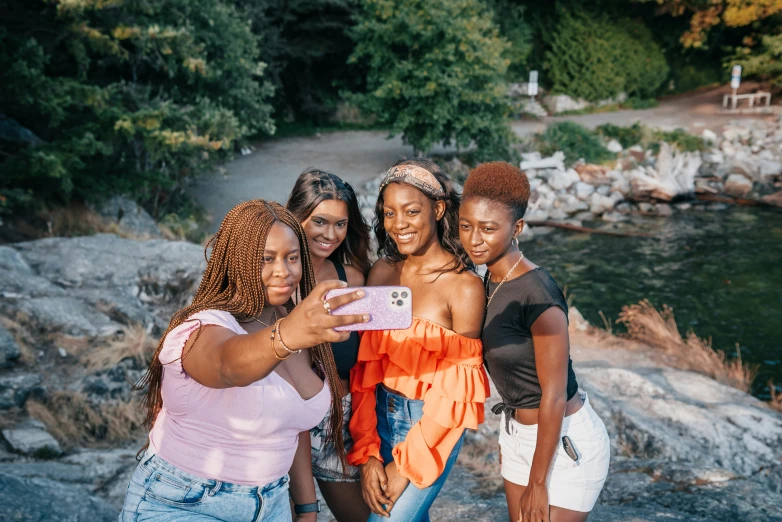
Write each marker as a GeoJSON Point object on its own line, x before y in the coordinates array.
{"type": "Point", "coordinates": [389, 307]}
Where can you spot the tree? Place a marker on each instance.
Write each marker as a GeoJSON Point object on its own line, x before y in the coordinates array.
{"type": "Point", "coordinates": [435, 72]}
{"type": "Point", "coordinates": [594, 56]}
{"type": "Point", "coordinates": [706, 14]}
{"type": "Point", "coordinates": [127, 97]}
{"type": "Point", "coordinates": [764, 60]}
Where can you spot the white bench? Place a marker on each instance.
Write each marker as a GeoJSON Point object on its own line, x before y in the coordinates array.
{"type": "Point", "coordinates": [759, 96]}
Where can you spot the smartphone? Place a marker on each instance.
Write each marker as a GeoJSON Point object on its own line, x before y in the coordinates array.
{"type": "Point", "coordinates": [389, 307]}
{"type": "Point", "coordinates": [567, 444]}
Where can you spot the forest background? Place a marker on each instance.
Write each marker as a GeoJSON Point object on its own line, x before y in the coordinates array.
{"type": "Point", "coordinates": [137, 97]}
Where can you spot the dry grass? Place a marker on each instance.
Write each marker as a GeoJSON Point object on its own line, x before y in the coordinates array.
{"type": "Point", "coordinates": [134, 343]}
{"type": "Point", "coordinates": [776, 399]}
{"type": "Point", "coordinates": [480, 457]}
{"type": "Point", "coordinates": [24, 340]}
{"type": "Point", "coordinates": [74, 420]}
{"type": "Point", "coordinates": [658, 329]}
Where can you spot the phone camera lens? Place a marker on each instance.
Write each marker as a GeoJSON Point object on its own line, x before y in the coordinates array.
{"type": "Point", "coordinates": [404, 295]}
{"type": "Point", "coordinates": [394, 294]}
{"type": "Point", "coordinates": [399, 303]}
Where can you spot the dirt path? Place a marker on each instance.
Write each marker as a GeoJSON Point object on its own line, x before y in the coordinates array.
{"type": "Point", "coordinates": [358, 156]}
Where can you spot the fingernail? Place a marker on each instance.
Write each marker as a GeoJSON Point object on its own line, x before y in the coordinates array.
{"type": "Point", "coordinates": [365, 317]}
{"type": "Point", "coordinates": [360, 293]}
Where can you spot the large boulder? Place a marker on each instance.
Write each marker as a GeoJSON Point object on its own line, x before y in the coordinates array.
{"type": "Point", "coordinates": [130, 217]}
{"type": "Point", "coordinates": [738, 185]}
{"type": "Point", "coordinates": [43, 500]}
{"type": "Point", "coordinates": [31, 439]}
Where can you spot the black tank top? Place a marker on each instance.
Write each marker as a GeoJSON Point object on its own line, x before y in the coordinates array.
{"type": "Point", "coordinates": [346, 352]}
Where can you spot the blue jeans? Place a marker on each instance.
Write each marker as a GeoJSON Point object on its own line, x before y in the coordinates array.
{"type": "Point", "coordinates": [395, 416]}
{"type": "Point", "coordinates": [160, 492]}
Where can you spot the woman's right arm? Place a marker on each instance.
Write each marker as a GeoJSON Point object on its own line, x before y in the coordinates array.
{"type": "Point", "coordinates": [219, 358]}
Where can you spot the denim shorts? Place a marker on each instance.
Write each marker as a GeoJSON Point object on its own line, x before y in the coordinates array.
{"type": "Point", "coordinates": [158, 491]}
{"type": "Point", "coordinates": [396, 415]}
{"type": "Point", "coordinates": [325, 462]}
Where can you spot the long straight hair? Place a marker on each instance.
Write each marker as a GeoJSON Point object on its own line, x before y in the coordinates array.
{"type": "Point", "coordinates": [315, 186]}
{"type": "Point", "coordinates": [447, 227]}
{"type": "Point", "coordinates": [232, 283]}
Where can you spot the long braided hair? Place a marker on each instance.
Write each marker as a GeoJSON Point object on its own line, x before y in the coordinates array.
{"type": "Point", "coordinates": [232, 283]}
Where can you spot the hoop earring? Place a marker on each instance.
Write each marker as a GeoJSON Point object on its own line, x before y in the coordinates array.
{"type": "Point", "coordinates": [514, 242]}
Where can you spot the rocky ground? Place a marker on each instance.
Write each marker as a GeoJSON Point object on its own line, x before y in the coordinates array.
{"type": "Point", "coordinates": [78, 317]}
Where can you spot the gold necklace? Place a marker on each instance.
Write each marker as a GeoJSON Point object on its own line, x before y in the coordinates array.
{"type": "Point", "coordinates": [503, 280]}
{"type": "Point", "coordinates": [266, 325]}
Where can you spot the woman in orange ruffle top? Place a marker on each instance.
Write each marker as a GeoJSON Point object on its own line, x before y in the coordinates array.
{"type": "Point", "coordinates": [414, 391]}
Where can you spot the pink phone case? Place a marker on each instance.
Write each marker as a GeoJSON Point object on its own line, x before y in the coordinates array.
{"type": "Point", "coordinates": [389, 307]}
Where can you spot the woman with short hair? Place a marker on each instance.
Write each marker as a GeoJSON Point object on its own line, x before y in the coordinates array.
{"type": "Point", "coordinates": [554, 448]}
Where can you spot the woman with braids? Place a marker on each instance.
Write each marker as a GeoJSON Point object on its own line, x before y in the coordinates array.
{"type": "Point", "coordinates": [554, 448]}
{"type": "Point", "coordinates": [231, 394]}
{"type": "Point", "coordinates": [416, 390]}
{"type": "Point", "coordinates": [338, 237]}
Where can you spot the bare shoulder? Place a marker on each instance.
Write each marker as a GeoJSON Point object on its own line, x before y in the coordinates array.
{"type": "Point", "coordinates": [354, 275]}
{"type": "Point", "coordinates": [468, 287]}
{"type": "Point", "coordinates": [381, 273]}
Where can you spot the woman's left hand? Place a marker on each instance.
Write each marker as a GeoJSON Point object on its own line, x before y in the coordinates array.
{"type": "Point", "coordinates": [306, 517]}
{"type": "Point", "coordinates": [534, 504]}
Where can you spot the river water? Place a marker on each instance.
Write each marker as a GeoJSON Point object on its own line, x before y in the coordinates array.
{"type": "Point", "coordinates": [720, 271]}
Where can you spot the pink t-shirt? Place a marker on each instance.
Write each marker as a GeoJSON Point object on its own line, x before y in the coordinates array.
{"type": "Point", "coordinates": [244, 436]}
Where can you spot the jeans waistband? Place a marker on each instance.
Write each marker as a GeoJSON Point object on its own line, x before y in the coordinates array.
{"type": "Point", "coordinates": [152, 463]}
{"type": "Point", "coordinates": [401, 403]}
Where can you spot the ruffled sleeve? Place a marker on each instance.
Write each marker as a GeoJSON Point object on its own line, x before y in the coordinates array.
{"type": "Point", "coordinates": [364, 377]}
{"type": "Point", "coordinates": [453, 402]}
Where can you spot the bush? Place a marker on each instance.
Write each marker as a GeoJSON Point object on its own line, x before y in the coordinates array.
{"type": "Point", "coordinates": [436, 72]}
{"type": "Point", "coordinates": [682, 139]}
{"type": "Point", "coordinates": [575, 140]}
{"type": "Point", "coordinates": [593, 57]}
{"type": "Point", "coordinates": [626, 136]}
{"type": "Point", "coordinates": [131, 97]}
{"type": "Point", "coordinates": [763, 61]}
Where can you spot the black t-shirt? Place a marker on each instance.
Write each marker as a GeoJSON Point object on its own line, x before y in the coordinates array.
{"type": "Point", "coordinates": [508, 350]}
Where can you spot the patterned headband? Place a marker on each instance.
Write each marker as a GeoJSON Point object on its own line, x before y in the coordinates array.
{"type": "Point", "coordinates": [416, 176]}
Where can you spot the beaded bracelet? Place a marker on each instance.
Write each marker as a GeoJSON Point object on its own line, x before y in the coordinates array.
{"type": "Point", "coordinates": [271, 339]}
{"type": "Point", "coordinates": [279, 338]}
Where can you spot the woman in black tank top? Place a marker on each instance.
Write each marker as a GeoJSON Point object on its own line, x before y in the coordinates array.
{"type": "Point", "coordinates": [554, 449]}
{"type": "Point", "coordinates": [338, 238]}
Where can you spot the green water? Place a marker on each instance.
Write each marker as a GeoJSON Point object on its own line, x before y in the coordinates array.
{"type": "Point", "coordinates": [720, 271]}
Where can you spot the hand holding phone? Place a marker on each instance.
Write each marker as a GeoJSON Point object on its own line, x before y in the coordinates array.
{"type": "Point", "coordinates": [389, 308]}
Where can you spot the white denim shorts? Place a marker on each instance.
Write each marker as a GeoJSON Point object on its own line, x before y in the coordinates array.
{"type": "Point", "coordinates": [573, 485]}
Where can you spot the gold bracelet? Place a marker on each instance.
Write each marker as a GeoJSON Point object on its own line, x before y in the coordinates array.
{"type": "Point", "coordinates": [271, 343]}
{"type": "Point", "coordinates": [279, 338]}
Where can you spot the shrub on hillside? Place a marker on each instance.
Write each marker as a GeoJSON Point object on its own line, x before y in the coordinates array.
{"type": "Point", "coordinates": [594, 57]}
{"type": "Point", "coordinates": [436, 73]}
{"type": "Point", "coordinates": [575, 140]}
{"type": "Point", "coordinates": [131, 97]}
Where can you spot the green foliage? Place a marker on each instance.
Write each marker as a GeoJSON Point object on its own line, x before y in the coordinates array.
{"type": "Point", "coordinates": [435, 72]}
{"type": "Point", "coordinates": [307, 45]}
{"type": "Point", "coordinates": [512, 21]}
{"type": "Point", "coordinates": [681, 138]}
{"type": "Point", "coordinates": [126, 96]}
{"type": "Point", "coordinates": [626, 136]}
{"type": "Point", "coordinates": [575, 140]}
{"type": "Point", "coordinates": [595, 57]}
{"type": "Point", "coordinates": [763, 61]}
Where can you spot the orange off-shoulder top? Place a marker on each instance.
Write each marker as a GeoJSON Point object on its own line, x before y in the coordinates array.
{"type": "Point", "coordinates": [429, 362]}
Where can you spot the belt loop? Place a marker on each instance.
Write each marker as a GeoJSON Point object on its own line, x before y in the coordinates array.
{"type": "Point", "coordinates": [213, 491]}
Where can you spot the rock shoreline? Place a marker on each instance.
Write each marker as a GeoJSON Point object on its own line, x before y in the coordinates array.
{"type": "Point", "coordinates": [684, 447]}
